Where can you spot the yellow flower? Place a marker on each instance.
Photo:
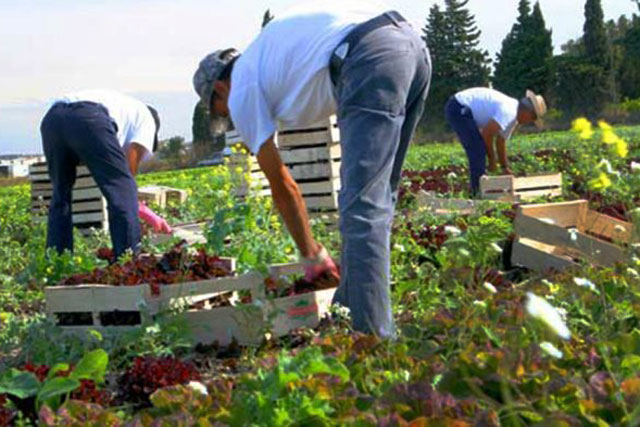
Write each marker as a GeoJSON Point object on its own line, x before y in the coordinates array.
{"type": "Point", "coordinates": [583, 127]}
{"type": "Point", "coordinates": [622, 148]}
{"type": "Point", "coordinates": [239, 170]}
{"type": "Point", "coordinates": [609, 137]}
{"type": "Point", "coordinates": [604, 125]}
{"type": "Point", "coordinates": [602, 182]}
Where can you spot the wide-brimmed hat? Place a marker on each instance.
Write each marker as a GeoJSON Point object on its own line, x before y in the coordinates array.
{"type": "Point", "coordinates": [539, 106]}
{"type": "Point", "coordinates": [205, 77]}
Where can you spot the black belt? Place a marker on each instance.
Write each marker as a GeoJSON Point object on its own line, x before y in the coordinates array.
{"type": "Point", "coordinates": [341, 52]}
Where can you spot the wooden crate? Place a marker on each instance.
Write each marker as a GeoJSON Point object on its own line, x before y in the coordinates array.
{"type": "Point", "coordinates": [192, 233]}
{"type": "Point", "coordinates": [511, 188]}
{"type": "Point", "coordinates": [576, 230]}
{"type": "Point", "coordinates": [540, 257]}
{"type": "Point", "coordinates": [95, 301]}
{"type": "Point", "coordinates": [442, 206]}
{"type": "Point", "coordinates": [299, 311]}
{"type": "Point", "coordinates": [89, 207]}
{"type": "Point", "coordinates": [313, 156]}
{"type": "Point", "coordinates": [161, 195]}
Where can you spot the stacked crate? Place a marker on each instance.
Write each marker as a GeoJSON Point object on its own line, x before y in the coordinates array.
{"type": "Point", "coordinates": [512, 188]}
{"type": "Point", "coordinates": [560, 235]}
{"type": "Point", "coordinates": [89, 207]}
{"type": "Point", "coordinates": [313, 157]}
{"type": "Point", "coordinates": [161, 195]}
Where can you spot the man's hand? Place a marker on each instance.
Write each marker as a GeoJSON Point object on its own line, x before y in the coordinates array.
{"type": "Point", "coordinates": [158, 224]}
{"type": "Point", "coordinates": [492, 166]}
{"type": "Point", "coordinates": [322, 263]}
{"type": "Point", "coordinates": [507, 171]}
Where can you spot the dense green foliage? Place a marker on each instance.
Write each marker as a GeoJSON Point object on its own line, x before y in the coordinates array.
{"type": "Point", "coordinates": [472, 350]}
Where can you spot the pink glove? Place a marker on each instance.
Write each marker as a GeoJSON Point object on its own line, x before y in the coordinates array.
{"type": "Point", "coordinates": [321, 263]}
{"type": "Point", "coordinates": [158, 224]}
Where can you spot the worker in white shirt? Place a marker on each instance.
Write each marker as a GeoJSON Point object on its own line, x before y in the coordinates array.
{"type": "Point", "coordinates": [111, 134]}
{"type": "Point", "coordinates": [484, 117]}
{"type": "Point", "coordinates": [373, 70]}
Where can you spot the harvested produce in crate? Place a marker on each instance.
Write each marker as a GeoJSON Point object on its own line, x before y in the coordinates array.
{"type": "Point", "coordinates": [176, 266]}
{"type": "Point", "coordinates": [281, 288]}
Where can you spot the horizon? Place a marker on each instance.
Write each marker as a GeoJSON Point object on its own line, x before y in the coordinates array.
{"type": "Point", "coordinates": [158, 44]}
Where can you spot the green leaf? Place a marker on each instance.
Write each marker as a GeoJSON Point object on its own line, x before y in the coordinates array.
{"type": "Point", "coordinates": [60, 367]}
{"type": "Point", "coordinates": [55, 388]}
{"type": "Point", "coordinates": [493, 337]}
{"type": "Point", "coordinates": [92, 366]}
{"type": "Point", "coordinates": [20, 384]}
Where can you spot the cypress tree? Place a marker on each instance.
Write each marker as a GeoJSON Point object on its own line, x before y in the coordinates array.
{"type": "Point", "coordinates": [200, 125]}
{"type": "Point", "coordinates": [453, 38]}
{"type": "Point", "coordinates": [524, 60]}
{"type": "Point", "coordinates": [595, 35]}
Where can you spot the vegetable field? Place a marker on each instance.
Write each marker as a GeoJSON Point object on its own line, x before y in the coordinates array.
{"type": "Point", "coordinates": [481, 342]}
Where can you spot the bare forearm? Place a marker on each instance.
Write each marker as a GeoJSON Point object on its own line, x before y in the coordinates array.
{"type": "Point", "coordinates": [502, 152]}
{"type": "Point", "coordinates": [491, 155]}
{"type": "Point", "coordinates": [290, 204]}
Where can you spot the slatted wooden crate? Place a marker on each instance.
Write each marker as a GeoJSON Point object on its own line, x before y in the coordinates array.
{"type": "Point", "coordinates": [191, 233]}
{"type": "Point", "coordinates": [511, 188]}
{"type": "Point", "coordinates": [120, 308]}
{"type": "Point", "coordinates": [247, 323]}
{"type": "Point", "coordinates": [162, 195]}
{"type": "Point", "coordinates": [572, 229]}
{"type": "Point", "coordinates": [92, 305]}
{"type": "Point", "coordinates": [442, 206]}
{"type": "Point", "coordinates": [313, 156]}
{"type": "Point", "coordinates": [89, 207]}
{"type": "Point", "coordinates": [540, 257]}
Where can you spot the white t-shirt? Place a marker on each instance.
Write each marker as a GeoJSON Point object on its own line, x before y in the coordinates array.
{"type": "Point", "coordinates": [489, 104]}
{"type": "Point", "coordinates": [133, 118]}
{"type": "Point", "coordinates": [283, 76]}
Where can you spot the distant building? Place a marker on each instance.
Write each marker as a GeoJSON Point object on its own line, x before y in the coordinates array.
{"type": "Point", "coordinates": [17, 166]}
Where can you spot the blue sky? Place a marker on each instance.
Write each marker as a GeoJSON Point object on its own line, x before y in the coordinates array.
{"type": "Point", "coordinates": [150, 48]}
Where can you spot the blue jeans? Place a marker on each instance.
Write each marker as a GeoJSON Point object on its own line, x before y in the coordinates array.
{"type": "Point", "coordinates": [84, 131]}
{"type": "Point", "coordinates": [381, 92]}
{"type": "Point", "coordinates": [461, 120]}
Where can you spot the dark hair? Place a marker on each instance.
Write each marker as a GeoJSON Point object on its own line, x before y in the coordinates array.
{"type": "Point", "coordinates": [156, 119]}
{"type": "Point", "coordinates": [527, 104]}
{"type": "Point", "coordinates": [226, 72]}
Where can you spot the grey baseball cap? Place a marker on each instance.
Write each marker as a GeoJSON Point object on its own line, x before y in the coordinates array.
{"type": "Point", "coordinates": [208, 72]}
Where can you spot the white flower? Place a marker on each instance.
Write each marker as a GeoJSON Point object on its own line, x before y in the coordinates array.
{"type": "Point", "coordinates": [548, 221]}
{"type": "Point", "coordinates": [606, 164]}
{"type": "Point", "coordinates": [341, 311]}
{"type": "Point", "coordinates": [551, 350]}
{"type": "Point", "coordinates": [153, 329]}
{"type": "Point", "coordinates": [465, 253]}
{"type": "Point", "coordinates": [480, 304]}
{"type": "Point", "coordinates": [585, 283]}
{"type": "Point", "coordinates": [399, 248]}
{"type": "Point", "coordinates": [540, 309]}
{"type": "Point", "coordinates": [489, 287]}
{"type": "Point", "coordinates": [199, 387]}
{"type": "Point", "coordinates": [573, 234]}
{"type": "Point", "coordinates": [453, 231]}
{"type": "Point", "coordinates": [633, 272]}
{"type": "Point", "coordinates": [635, 167]}
{"type": "Point", "coordinates": [452, 175]}
{"type": "Point", "coordinates": [496, 248]}
{"type": "Point", "coordinates": [619, 229]}
{"type": "Point", "coordinates": [563, 314]}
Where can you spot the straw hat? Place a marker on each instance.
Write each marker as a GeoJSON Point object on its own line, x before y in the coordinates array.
{"type": "Point", "coordinates": [539, 106]}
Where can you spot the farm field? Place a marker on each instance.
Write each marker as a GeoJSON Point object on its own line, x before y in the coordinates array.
{"type": "Point", "coordinates": [481, 342]}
